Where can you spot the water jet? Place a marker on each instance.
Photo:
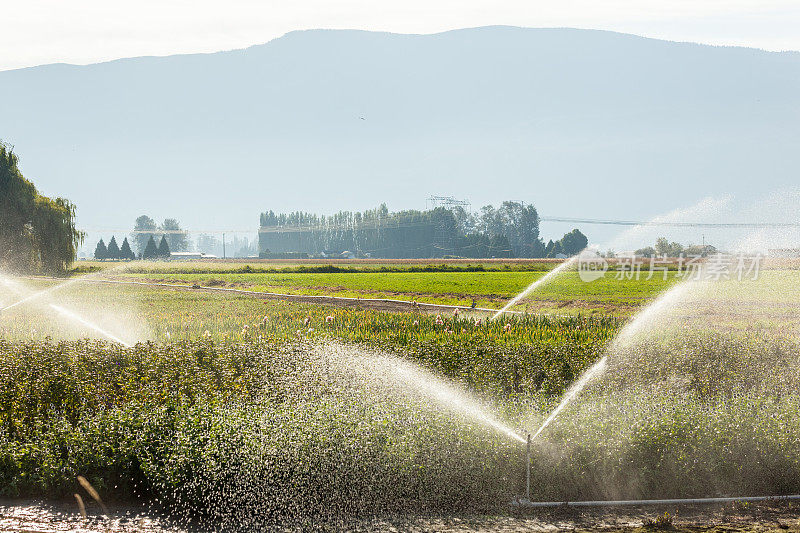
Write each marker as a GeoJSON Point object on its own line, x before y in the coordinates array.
{"type": "Point", "coordinates": [450, 397]}
{"type": "Point", "coordinates": [536, 284]}
{"type": "Point", "coordinates": [76, 318]}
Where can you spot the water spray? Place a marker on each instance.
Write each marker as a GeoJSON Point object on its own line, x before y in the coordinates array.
{"type": "Point", "coordinates": [452, 398]}
{"type": "Point", "coordinates": [72, 316]}
{"type": "Point", "coordinates": [39, 294]}
{"type": "Point", "coordinates": [538, 283]}
{"type": "Point", "coordinates": [12, 285]}
{"type": "Point", "coordinates": [573, 391]}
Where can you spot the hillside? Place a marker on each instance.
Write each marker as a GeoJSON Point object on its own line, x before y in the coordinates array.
{"type": "Point", "coordinates": [579, 122]}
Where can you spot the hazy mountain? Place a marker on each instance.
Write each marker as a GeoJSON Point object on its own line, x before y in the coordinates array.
{"type": "Point", "coordinates": [581, 123]}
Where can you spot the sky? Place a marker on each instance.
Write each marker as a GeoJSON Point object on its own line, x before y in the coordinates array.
{"type": "Point", "coordinates": [37, 32]}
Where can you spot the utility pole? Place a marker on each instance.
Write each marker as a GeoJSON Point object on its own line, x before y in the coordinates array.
{"type": "Point", "coordinates": [223, 246]}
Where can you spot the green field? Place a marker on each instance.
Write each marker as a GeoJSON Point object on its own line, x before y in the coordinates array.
{"type": "Point", "coordinates": [229, 408]}
{"type": "Point", "coordinates": [566, 292]}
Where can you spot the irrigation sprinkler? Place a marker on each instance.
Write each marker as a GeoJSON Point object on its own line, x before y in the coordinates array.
{"type": "Point", "coordinates": [568, 397]}
{"type": "Point", "coordinates": [528, 470]}
{"type": "Point", "coordinates": [639, 503]}
{"type": "Point", "coordinates": [527, 503]}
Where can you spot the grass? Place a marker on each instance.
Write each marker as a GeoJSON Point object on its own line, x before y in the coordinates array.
{"type": "Point", "coordinates": [266, 266]}
{"type": "Point", "coordinates": [489, 285]}
{"type": "Point", "coordinates": [489, 289]}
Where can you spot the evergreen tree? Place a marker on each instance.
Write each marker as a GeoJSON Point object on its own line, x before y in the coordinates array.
{"type": "Point", "coordinates": [100, 251]}
{"type": "Point", "coordinates": [113, 249]}
{"type": "Point", "coordinates": [125, 251]}
{"type": "Point", "coordinates": [150, 250]}
{"type": "Point", "coordinates": [163, 248]}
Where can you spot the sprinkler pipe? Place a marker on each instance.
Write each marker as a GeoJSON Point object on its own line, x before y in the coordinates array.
{"type": "Point", "coordinates": [677, 501]}
{"type": "Point", "coordinates": [528, 470]}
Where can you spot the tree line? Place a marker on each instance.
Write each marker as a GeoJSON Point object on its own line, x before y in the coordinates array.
{"type": "Point", "coordinates": [124, 252]}
{"type": "Point", "coordinates": [146, 228]}
{"type": "Point", "coordinates": [665, 248]}
{"type": "Point", "coordinates": [511, 230]}
{"type": "Point", "coordinates": [37, 233]}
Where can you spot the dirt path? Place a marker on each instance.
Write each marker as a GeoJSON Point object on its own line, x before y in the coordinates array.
{"type": "Point", "coordinates": [377, 304]}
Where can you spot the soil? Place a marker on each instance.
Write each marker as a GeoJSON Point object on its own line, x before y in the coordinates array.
{"type": "Point", "coordinates": [48, 516]}
{"type": "Point", "coordinates": [54, 516]}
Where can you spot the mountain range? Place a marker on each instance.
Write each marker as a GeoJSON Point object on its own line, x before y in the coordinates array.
{"type": "Point", "coordinates": [581, 123]}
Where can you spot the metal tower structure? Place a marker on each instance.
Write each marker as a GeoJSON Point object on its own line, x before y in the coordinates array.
{"type": "Point", "coordinates": [442, 239]}
{"type": "Point", "coordinates": [448, 202]}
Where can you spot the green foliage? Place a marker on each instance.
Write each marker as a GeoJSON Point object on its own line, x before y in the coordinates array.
{"type": "Point", "coordinates": [258, 423]}
{"type": "Point", "coordinates": [144, 229]}
{"type": "Point", "coordinates": [36, 233]}
{"type": "Point", "coordinates": [566, 293]}
{"type": "Point", "coordinates": [517, 224]}
{"type": "Point", "coordinates": [268, 420]}
{"type": "Point", "coordinates": [553, 249]}
{"type": "Point", "coordinates": [125, 251]}
{"type": "Point", "coordinates": [113, 251]}
{"type": "Point", "coordinates": [150, 250]}
{"type": "Point", "coordinates": [647, 251]}
{"type": "Point", "coordinates": [509, 231]}
{"type": "Point", "coordinates": [176, 239]}
{"type": "Point", "coordinates": [163, 248]}
{"type": "Point", "coordinates": [100, 251]}
{"type": "Point", "coordinates": [570, 244]}
{"type": "Point", "coordinates": [263, 432]}
{"type": "Point", "coordinates": [573, 242]}
{"type": "Point", "coordinates": [665, 248]}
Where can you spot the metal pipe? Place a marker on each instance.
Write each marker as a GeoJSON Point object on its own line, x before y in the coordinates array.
{"type": "Point", "coordinates": [609, 503]}
{"type": "Point", "coordinates": [528, 471]}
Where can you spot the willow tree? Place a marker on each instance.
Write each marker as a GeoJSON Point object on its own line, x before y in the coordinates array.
{"type": "Point", "coordinates": [36, 233]}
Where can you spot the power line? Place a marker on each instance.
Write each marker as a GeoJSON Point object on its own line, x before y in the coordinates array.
{"type": "Point", "coordinates": [755, 225]}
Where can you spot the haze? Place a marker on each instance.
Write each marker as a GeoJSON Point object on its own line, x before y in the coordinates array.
{"type": "Point", "coordinates": [37, 32]}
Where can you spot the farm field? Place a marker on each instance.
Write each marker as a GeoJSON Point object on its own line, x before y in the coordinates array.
{"type": "Point", "coordinates": [221, 401]}
{"type": "Point", "coordinates": [566, 294]}
{"type": "Point", "coordinates": [616, 293]}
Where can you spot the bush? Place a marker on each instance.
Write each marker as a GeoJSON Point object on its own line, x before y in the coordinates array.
{"type": "Point", "coordinates": [232, 434]}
